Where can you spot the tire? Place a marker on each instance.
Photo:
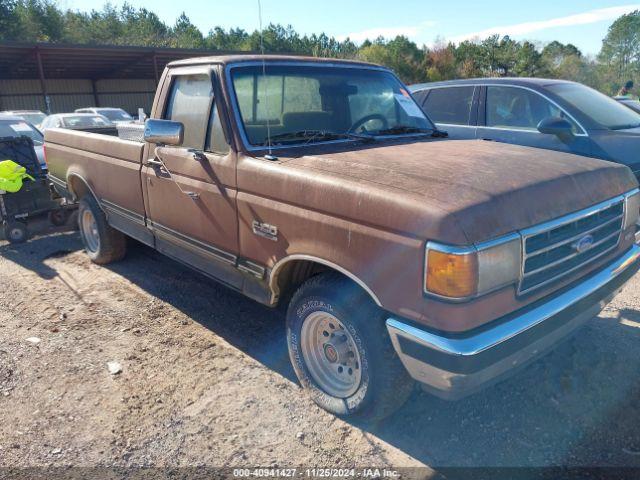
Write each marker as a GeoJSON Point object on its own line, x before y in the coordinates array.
{"type": "Point", "coordinates": [58, 217]}
{"type": "Point", "coordinates": [360, 338]}
{"type": "Point", "coordinates": [16, 232]}
{"type": "Point", "coordinates": [102, 243]}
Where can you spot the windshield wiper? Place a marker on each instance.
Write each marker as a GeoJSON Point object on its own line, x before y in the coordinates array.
{"type": "Point", "coordinates": [625, 127]}
{"type": "Point", "coordinates": [407, 129]}
{"type": "Point", "coordinates": [315, 135]}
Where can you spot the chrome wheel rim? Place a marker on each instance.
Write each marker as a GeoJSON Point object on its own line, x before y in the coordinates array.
{"type": "Point", "coordinates": [331, 355]}
{"type": "Point", "coordinates": [90, 231]}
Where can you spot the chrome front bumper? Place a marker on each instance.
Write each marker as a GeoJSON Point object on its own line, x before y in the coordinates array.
{"type": "Point", "coordinates": [457, 365]}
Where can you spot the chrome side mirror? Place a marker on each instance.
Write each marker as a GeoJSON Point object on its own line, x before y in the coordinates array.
{"type": "Point", "coordinates": [163, 132]}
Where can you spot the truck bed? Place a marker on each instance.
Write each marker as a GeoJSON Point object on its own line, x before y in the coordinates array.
{"type": "Point", "coordinates": [78, 160]}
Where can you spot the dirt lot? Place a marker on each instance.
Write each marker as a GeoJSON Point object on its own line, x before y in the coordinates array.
{"type": "Point", "coordinates": [206, 381]}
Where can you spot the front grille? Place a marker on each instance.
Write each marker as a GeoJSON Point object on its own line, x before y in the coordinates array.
{"type": "Point", "coordinates": [556, 249]}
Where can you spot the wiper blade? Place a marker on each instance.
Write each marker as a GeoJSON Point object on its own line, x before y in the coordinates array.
{"type": "Point", "coordinates": [440, 134]}
{"type": "Point", "coordinates": [315, 135]}
{"type": "Point", "coordinates": [404, 129]}
{"type": "Point", "coordinates": [625, 127]}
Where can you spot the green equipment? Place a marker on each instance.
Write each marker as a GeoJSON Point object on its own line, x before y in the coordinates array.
{"type": "Point", "coordinates": [25, 191]}
{"type": "Point", "coordinates": [12, 175]}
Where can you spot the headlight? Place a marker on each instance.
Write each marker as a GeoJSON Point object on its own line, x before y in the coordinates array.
{"type": "Point", "coordinates": [631, 208]}
{"type": "Point", "coordinates": [461, 273]}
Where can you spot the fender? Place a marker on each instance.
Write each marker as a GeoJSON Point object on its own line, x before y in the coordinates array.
{"type": "Point", "coordinates": [275, 271]}
{"type": "Point", "coordinates": [71, 176]}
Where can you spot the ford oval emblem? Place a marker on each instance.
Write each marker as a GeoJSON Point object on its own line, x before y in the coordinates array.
{"type": "Point", "coordinates": [584, 244]}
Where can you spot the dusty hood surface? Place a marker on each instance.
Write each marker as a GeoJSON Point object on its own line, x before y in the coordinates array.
{"type": "Point", "coordinates": [488, 188]}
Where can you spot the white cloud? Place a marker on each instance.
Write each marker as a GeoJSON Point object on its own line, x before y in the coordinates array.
{"type": "Point", "coordinates": [585, 18]}
{"type": "Point", "coordinates": [388, 32]}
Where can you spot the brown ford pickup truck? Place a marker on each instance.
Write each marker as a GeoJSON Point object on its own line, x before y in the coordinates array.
{"type": "Point", "coordinates": [321, 186]}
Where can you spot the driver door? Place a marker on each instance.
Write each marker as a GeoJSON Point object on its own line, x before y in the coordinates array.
{"type": "Point", "coordinates": [190, 190]}
{"type": "Point", "coordinates": [512, 114]}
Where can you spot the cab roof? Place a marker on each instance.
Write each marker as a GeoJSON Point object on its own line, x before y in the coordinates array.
{"type": "Point", "coordinates": [228, 59]}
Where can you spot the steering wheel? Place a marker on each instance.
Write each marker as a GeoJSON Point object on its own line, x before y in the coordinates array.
{"type": "Point", "coordinates": [374, 116]}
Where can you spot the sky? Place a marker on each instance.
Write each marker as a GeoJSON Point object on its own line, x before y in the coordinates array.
{"type": "Point", "coordinates": [581, 22]}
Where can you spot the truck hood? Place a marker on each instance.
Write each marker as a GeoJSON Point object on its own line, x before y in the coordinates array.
{"type": "Point", "coordinates": [488, 189]}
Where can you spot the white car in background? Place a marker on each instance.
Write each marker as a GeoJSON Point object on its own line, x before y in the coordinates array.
{"type": "Point", "coordinates": [87, 122]}
{"type": "Point", "coordinates": [13, 126]}
{"type": "Point", "coordinates": [115, 115]}
{"type": "Point", "coordinates": [34, 117]}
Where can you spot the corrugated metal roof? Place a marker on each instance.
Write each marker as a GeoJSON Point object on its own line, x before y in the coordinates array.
{"type": "Point", "coordinates": [20, 60]}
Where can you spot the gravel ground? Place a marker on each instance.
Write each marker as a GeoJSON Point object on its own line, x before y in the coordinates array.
{"type": "Point", "coordinates": [205, 380]}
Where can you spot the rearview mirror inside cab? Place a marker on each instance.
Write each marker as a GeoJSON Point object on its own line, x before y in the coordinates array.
{"type": "Point", "coordinates": [555, 126]}
{"type": "Point", "coordinates": [163, 132]}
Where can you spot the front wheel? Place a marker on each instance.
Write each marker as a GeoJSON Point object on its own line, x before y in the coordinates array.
{"type": "Point", "coordinates": [103, 243]}
{"type": "Point", "coordinates": [341, 351]}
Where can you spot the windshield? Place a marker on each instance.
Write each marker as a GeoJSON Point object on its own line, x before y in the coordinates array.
{"type": "Point", "coordinates": [35, 118]}
{"type": "Point", "coordinates": [303, 104]}
{"type": "Point", "coordinates": [18, 128]}
{"type": "Point", "coordinates": [601, 109]}
{"type": "Point", "coordinates": [116, 115]}
{"type": "Point", "coordinates": [80, 121]}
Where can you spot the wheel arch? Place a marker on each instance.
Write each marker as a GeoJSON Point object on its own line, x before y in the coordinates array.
{"type": "Point", "coordinates": [78, 187]}
{"type": "Point", "coordinates": [291, 271]}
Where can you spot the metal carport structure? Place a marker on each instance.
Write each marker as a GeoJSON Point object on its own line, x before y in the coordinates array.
{"type": "Point", "coordinates": [60, 78]}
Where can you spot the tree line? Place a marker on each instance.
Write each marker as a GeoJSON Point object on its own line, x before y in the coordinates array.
{"type": "Point", "coordinates": [617, 62]}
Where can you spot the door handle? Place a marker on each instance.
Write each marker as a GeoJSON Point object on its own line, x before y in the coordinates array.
{"type": "Point", "coordinates": [159, 164]}
{"type": "Point", "coordinates": [197, 155]}
{"type": "Point", "coordinates": [154, 163]}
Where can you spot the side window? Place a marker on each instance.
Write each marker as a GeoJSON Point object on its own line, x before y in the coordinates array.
{"type": "Point", "coordinates": [512, 107]}
{"type": "Point", "coordinates": [190, 102]}
{"type": "Point", "coordinates": [302, 94]}
{"type": "Point", "coordinates": [269, 106]}
{"type": "Point", "coordinates": [216, 143]}
{"type": "Point", "coordinates": [451, 105]}
{"type": "Point", "coordinates": [283, 103]}
{"type": "Point", "coordinates": [269, 98]}
{"type": "Point", "coordinates": [419, 96]}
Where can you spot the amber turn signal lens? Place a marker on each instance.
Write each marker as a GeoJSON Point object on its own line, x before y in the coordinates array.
{"type": "Point", "coordinates": [450, 275]}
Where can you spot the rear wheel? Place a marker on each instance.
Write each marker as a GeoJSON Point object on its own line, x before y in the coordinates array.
{"type": "Point", "coordinates": [16, 232]}
{"type": "Point", "coordinates": [102, 243]}
{"type": "Point", "coordinates": [341, 352]}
